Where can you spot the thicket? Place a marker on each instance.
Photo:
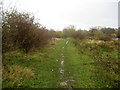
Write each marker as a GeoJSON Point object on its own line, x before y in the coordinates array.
{"type": "Point", "coordinates": [20, 30]}
{"type": "Point", "coordinates": [98, 33]}
{"type": "Point", "coordinates": [104, 34]}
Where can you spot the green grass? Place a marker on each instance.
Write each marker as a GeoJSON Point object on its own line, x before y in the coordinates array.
{"type": "Point", "coordinates": [42, 67]}
{"type": "Point", "coordinates": [105, 61]}
{"type": "Point", "coordinates": [80, 67]}
{"type": "Point", "coordinates": [43, 63]}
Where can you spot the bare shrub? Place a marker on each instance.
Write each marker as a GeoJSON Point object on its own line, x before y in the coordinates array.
{"type": "Point", "coordinates": [81, 34]}
{"type": "Point", "coordinates": [20, 31]}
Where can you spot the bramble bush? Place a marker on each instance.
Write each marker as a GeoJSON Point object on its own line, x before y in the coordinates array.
{"type": "Point", "coordinates": [21, 31]}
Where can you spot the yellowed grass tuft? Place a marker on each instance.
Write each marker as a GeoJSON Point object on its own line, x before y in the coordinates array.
{"type": "Point", "coordinates": [16, 72]}
{"type": "Point", "coordinates": [95, 41]}
{"type": "Point", "coordinates": [58, 39]}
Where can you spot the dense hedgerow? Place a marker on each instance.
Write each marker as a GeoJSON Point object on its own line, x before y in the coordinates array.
{"type": "Point", "coordinates": [21, 31]}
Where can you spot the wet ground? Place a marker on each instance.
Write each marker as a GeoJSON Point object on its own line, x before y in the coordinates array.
{"type": "Point", "coordinates": [64, 82]}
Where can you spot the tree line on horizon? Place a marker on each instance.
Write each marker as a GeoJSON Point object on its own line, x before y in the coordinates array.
{"type": "Point", "coordinates": [21, 31]}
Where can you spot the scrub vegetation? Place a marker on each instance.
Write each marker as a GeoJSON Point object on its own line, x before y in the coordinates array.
{"type": "Point", "coordinates": [37, 57]}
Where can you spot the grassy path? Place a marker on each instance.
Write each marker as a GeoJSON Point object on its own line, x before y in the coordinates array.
{"type": "Point", "coordinates": [60, 65]}
{"type": "Point", "coordinates": [78, 67]}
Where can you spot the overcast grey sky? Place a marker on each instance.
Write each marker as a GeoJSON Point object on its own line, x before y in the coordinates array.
{"type": "Point", "coordinates": [57, 14]}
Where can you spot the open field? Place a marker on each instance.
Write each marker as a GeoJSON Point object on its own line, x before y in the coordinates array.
{"type": "Point", "coordinates": [59, 44]}
{"type": "Point", "coordinates": [67, 63]}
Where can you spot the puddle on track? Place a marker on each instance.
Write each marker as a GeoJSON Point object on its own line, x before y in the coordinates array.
{"type": "Point", "coordinates": [62, 62]}
{"type": "Point", "coordinates": [61, 70]}
{"type": "Point", "coordinates": [67, 42]}
{"type": "Point", "coordinates": [62, 56]}
{"type": "Point", "coordinates": [63, 83]}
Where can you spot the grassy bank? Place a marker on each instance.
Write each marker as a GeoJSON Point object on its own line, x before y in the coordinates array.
{"type": "Point", "coordinates": [41, 67]}
{"type": "Point", "coordinates": [105, 57]}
